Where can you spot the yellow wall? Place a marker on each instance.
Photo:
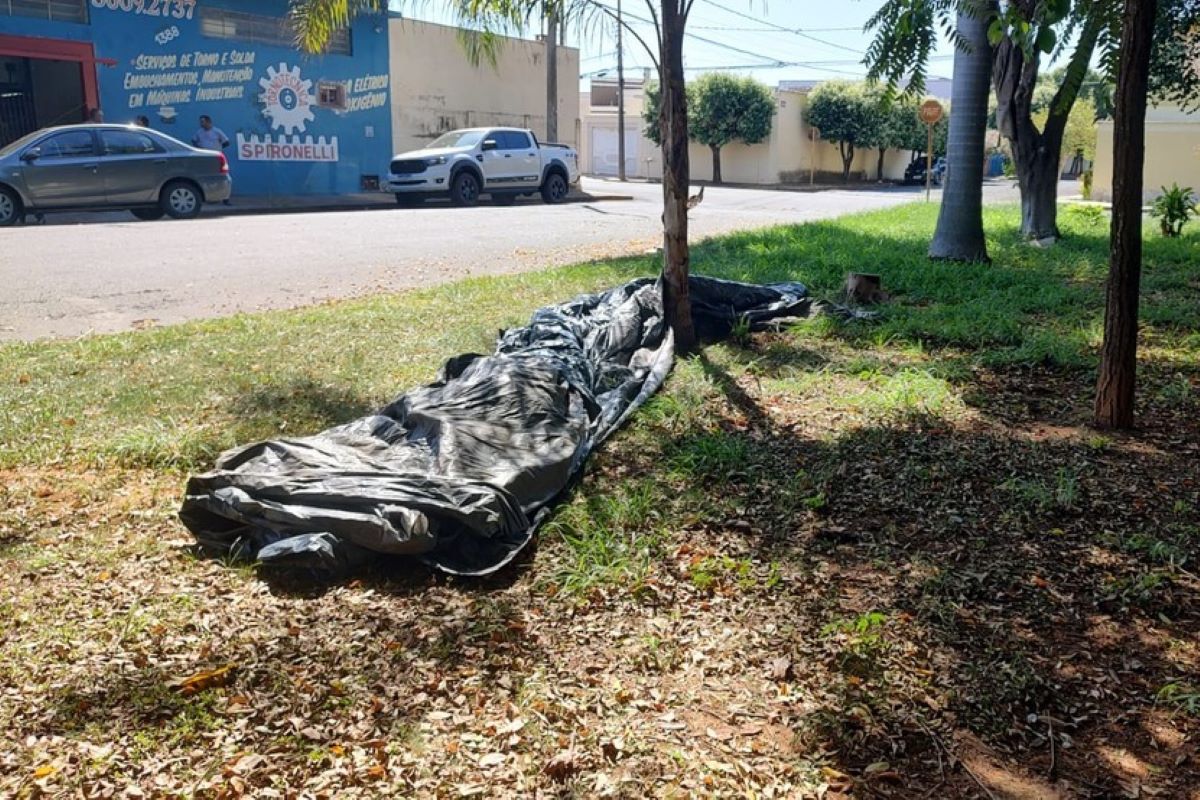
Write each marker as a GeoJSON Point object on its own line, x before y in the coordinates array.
{"type": "Point", "coordinates": [786, 155]}
{"type": "Point", "coordinates": [435, 89]}
{"type": "Point", "coordinates": [1172, 152]}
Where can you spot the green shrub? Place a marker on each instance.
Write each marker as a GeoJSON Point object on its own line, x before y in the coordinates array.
{"type": "Point", "coordinates": [1175, 206]}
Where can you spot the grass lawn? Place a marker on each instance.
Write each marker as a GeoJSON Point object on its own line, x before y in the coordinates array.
{"type": "Point", "coordinates": [866, 559]}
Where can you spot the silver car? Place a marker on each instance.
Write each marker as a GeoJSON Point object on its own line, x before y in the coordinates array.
{"type": "Point", "coordinates": [104, 167]}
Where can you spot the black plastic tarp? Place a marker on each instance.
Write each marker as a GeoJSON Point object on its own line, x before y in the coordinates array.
{"type": "Point", "coordinates": [461, 472]}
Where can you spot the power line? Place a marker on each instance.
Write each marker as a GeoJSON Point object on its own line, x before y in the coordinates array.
{"type": "Point", "coordinates": [772, 29]}
{"type": "Point", "coordinates": [781, 28]}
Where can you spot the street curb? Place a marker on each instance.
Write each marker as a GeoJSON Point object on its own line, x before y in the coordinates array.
{"type": "Point", "coordinates": [382, 205]}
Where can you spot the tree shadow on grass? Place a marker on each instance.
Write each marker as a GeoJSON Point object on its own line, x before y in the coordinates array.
{"type": "Point", "coordinates": [300, 405]}
{"type": "Point", "coordinates": [1006, 610]}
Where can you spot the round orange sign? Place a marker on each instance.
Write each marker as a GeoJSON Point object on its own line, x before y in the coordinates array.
{"type": "Point", "coordinates": [931, 112]}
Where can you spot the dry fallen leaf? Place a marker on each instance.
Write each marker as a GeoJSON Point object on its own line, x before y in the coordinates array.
{"type": "Point", "coordinates": [562, 766]}
{"type": "Point", "coordinates": [207, 679]}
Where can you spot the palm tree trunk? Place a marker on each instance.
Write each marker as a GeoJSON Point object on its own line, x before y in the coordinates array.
{"type": "Point", "coordinates": [959, 232]}
{"type": "Point", "coordinates": [551, 74]}
{"type": "Point", "coordinates": [677, 304]}
{"type": "Point", "coordinates": [1118, 355]}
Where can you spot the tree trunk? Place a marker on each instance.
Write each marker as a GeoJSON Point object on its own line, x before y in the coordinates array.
{"type": "Point", "coordinates": [676, 178]}
{"type": "Point", "coordinates": [847, 151]}
{"type": "Point", "coordinates": [716, 151]}
{"type": "Point", "coordinates": [551, 74]}
{"type": "Point", "coordinates": [879, 170]}
{"type": "Point", "coordinates": [1118, 355]}
{"type": "Point", "coordinates": [959, 232]}
{"type": "Point", "coordinates": [1037, 175]}
{"type": "Point", "coordinates": [1037, 155]}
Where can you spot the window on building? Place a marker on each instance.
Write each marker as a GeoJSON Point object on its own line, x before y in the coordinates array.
{"type": "Point", "coordinates": [604, 95]}
{"type": "Point", "coordinates": [57, 10]}
{"type": "Point", "coordinates": [331, 94]}
{"type": "Point", "coordinates": [221, 23]}
{"type": "Point", "coordinates": [127, 143]}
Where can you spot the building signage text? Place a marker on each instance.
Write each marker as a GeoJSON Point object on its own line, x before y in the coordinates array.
{"type": "Point", "coordinates": [178, 78]}
{"type": "Point", "coordinates": [176, 9]}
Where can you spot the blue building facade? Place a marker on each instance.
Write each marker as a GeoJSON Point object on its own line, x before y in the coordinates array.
{"type": "Point", "coordinates": [297, 124]}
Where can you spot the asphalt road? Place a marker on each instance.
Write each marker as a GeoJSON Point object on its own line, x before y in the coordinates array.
{"type": "Point", "coordinates": [110, 272]}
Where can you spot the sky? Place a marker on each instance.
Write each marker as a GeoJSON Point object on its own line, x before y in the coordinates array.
{"type": "Point", "coordinates": [771, 40]}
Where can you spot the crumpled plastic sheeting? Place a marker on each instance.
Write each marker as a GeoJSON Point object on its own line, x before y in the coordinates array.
{"type": "Point", "coordinates": [461, 472]}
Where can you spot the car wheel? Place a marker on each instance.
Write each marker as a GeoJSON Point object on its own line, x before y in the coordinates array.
{"type": "Point", "coordinates": [555, 189]}
{"type": "Point", "coordinates": [408, 200]}
{"type": "Point", "coordinates": [148, 214]}
{"type": "Point", "coordinates": [10, 208]}
{"type": "Point", "coordinates": [180, 200]}
{"type": "Point", "coordinates": [464, 191]}
{"type": "Point", "coordinates": [504, 199]}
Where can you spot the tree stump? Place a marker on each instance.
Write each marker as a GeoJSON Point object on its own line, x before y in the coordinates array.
{"type": "Point", "coordinates": [864, 288]}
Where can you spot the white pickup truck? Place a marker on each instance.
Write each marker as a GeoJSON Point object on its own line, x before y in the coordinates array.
{"type": "Point", "coordinates": [502, 162]}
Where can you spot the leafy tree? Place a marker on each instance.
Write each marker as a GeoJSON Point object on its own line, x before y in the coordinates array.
{"type": "Point", "coordinates": [845, 114]}
{"type": "Point", "coordinates": [1079, 137]}
{"type": "Point", "coordinates": [1097, 89]}
{"type": "Point", "coordinates": [723, 109]}
{"type": "Point", "coordinates": [727, 109]}
{"type": "Point", "coordinates": [900, 128]}
{"type": "Point", "coordinates": [1021, 31]}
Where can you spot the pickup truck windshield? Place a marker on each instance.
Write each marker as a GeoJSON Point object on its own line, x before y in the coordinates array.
{"type": "Point", "coordinates": [456, 139]}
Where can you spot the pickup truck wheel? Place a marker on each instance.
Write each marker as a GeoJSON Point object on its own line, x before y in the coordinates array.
{"type": "Point", "coordinates": [464, 189]}
{"type": "Point", "coordinates": [555, 189]}
{"type": "Point", "coordinates": [10, 208]}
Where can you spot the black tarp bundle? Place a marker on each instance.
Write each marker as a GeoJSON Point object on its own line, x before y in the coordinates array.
{"type": "Point", "coordinates": [461, 472]}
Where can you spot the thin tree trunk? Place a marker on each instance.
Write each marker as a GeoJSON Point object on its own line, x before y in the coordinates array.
{"type": "Point", "coordinates": [879, 169]}
{"type": "Point", "coordinates": [676, 178]}
{"type": "Point", "coordinates": [716, 154]}
{"type": "Point", "coordinates": [959, 232]}
{"type": "Point", "coordinates": [551, 74]}
{"type": "Point", "coordinates": [1118, 355]}
{"type": "Point", "coordinates": [847, 150]}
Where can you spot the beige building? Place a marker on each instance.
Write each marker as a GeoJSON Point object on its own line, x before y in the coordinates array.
{"type": "Point", "coordinates": [789, 155]}
{"type": "Point", "coordinates": [435, 89]}
{"type": "Point", "coordinates": [1172, 152]}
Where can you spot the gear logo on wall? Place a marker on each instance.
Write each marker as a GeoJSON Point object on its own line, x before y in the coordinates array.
{"type": "Point", "coordinates": [287, 98]}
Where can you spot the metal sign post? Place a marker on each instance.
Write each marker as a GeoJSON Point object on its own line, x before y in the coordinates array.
{"type": "Point", "coordinates": [931, 114]}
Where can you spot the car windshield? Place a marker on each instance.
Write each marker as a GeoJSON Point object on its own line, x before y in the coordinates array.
{"type": "Point", "coordinates": [457, 139]}
{"type": "Point", "coordinates": [24, 141]}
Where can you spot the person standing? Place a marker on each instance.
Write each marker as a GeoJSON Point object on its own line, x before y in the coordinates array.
{"type": "Point", "coordinates": [210, 138]}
